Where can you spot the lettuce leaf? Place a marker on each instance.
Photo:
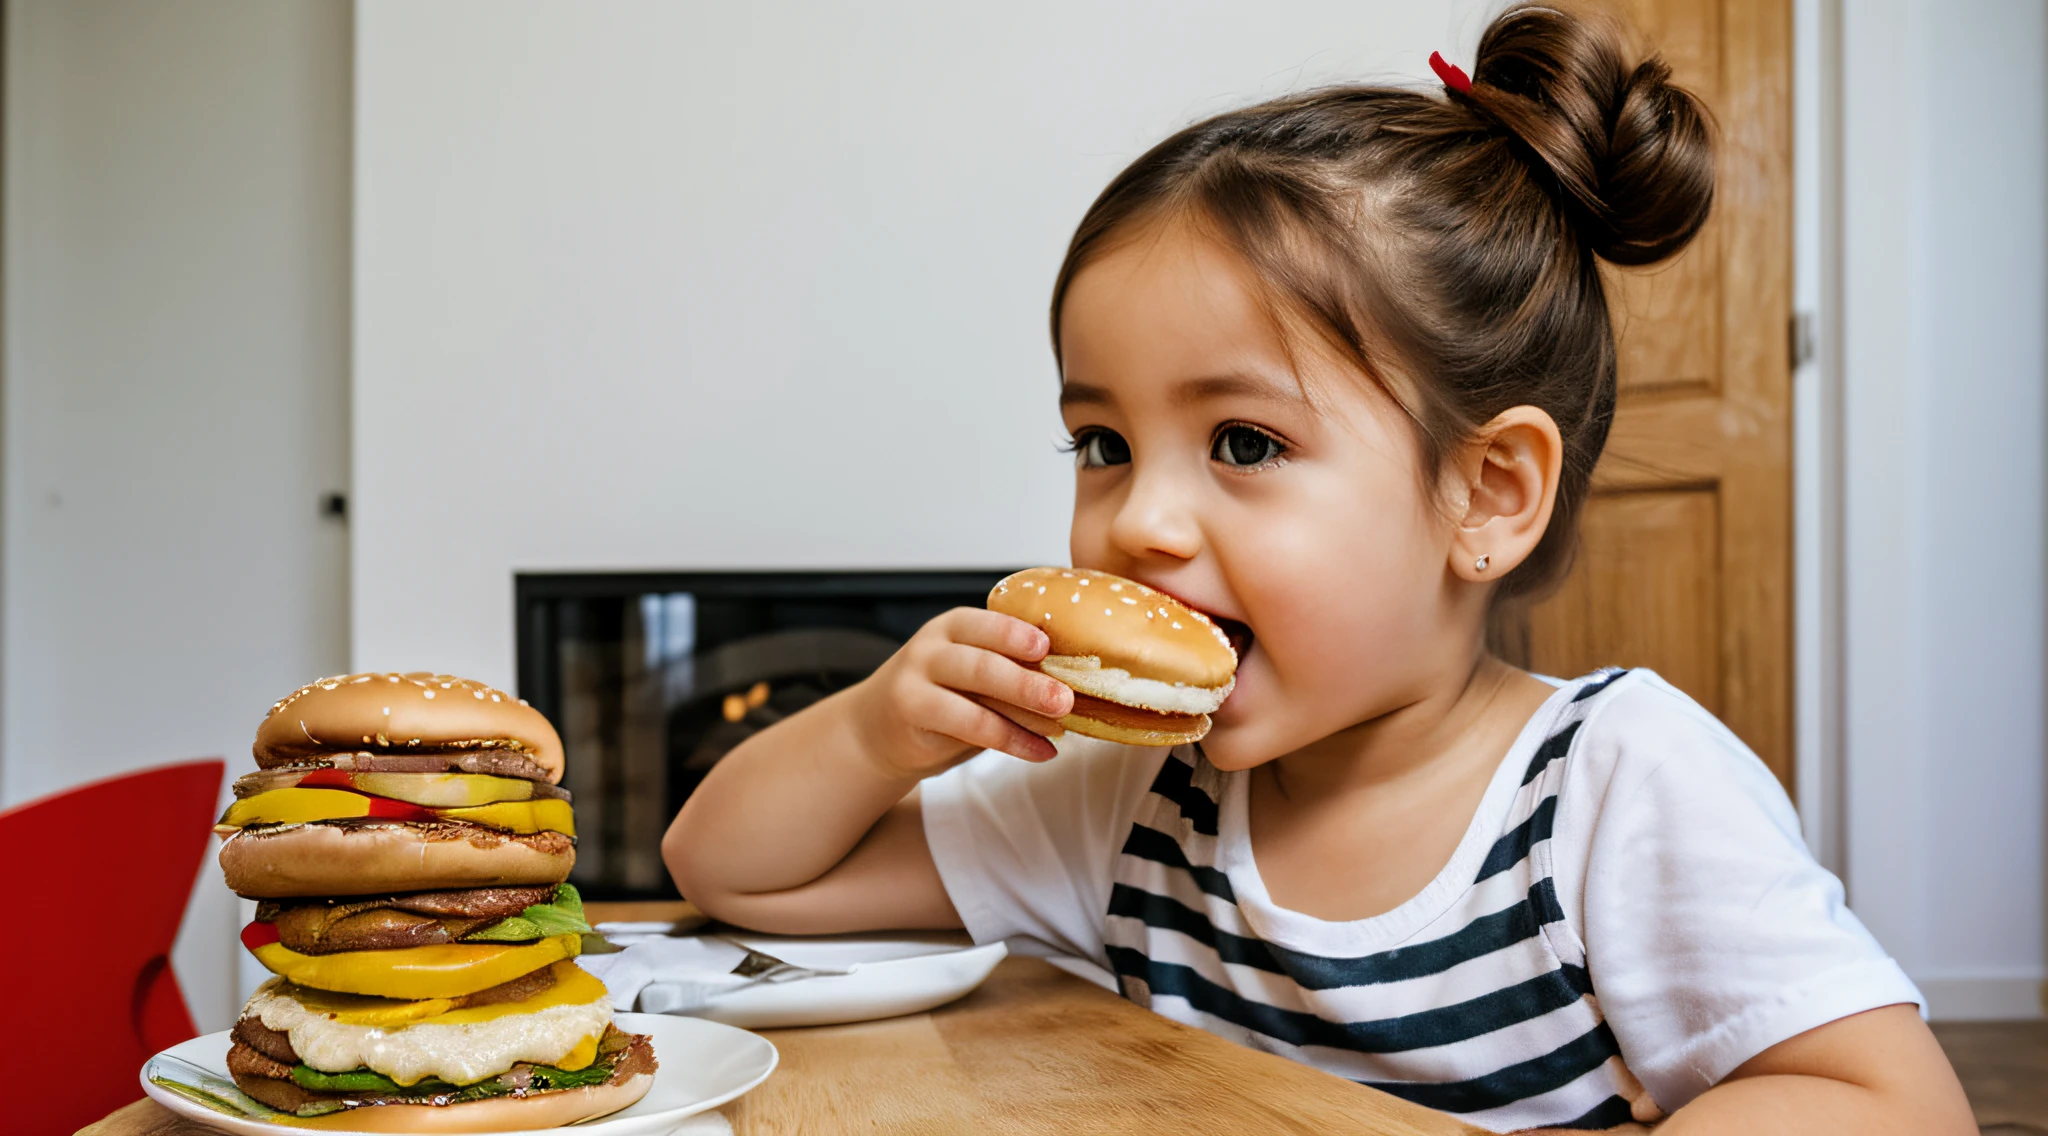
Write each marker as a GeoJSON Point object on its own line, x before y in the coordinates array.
{"type": "Point", "coordinates": [367, 1082]}
{"type": "Point", "coordinates": [364, 1081]}
{"type": "Point", "coordinates": [562, 916]}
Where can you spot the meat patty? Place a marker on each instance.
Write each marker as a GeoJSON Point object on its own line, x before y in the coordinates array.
{"type": "Point", "coordinates": [497, 762]}
{"type": "Point", "coordinates": [252, 1034]}
{"type": "Point", "coordinates": [629, 1054]}
{"type": "Point", "coordinates": [1132, 717]}
{"type": "Point", "coordinates": [327, 926]}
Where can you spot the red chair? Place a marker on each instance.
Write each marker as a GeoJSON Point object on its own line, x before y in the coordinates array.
{"type": "Point", "coordinates": [98, 880]}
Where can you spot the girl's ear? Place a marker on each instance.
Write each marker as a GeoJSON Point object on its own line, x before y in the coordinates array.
{"type": "Point", "coordinates": [1508, 484]}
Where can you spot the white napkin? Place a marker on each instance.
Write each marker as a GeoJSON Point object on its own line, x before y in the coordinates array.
{"type": "Point", "coordinates": [657, 974]}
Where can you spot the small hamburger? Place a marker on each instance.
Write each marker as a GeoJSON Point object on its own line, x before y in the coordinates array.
{"type": "Point", "coordinates": [1145, 668]}
{"type": "Point", "coordinates": [409, 849]}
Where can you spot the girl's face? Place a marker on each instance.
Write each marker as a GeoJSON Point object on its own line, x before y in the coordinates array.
{"type": "Point", "coordinates": [1204, 471]}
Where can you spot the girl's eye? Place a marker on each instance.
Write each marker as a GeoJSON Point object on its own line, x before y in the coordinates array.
{"type": "Point", "coordinates": [1241, 445]}
{"type": "Point", "coordinates": [1097, 447]}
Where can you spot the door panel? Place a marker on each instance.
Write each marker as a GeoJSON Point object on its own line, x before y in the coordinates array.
{"type": "Point", "coordinates": [1685, 564]}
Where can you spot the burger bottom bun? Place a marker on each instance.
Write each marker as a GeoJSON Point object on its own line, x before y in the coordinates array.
{"type": "Point", "coordinates": [550, 1109]}
{"type": "Point", "coordinates": [379, 859]}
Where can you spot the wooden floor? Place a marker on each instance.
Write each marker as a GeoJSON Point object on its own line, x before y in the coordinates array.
{"type": "Point", "coordinates": [2004, 1068]}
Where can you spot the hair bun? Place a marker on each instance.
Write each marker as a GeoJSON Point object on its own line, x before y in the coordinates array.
{"type": "Point", "coordinates": [1630, 150]}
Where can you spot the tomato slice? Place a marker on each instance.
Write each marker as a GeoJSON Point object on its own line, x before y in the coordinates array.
{"type": "Point", "coordinates": [329, 779]}
{"type": "Point", "coordinates": [398, 810]}
{"type": "Point", "coordinates": [259, 934]}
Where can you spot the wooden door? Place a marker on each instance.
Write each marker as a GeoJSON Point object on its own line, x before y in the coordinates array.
{"type": "Point", "coordinates": [1686, 560]}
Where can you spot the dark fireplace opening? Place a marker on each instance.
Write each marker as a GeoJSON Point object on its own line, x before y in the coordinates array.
{"type": "Point", "coordinates": [653, 677]}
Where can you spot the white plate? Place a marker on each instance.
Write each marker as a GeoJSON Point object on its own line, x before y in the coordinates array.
{"type": "Point", "coordinates": [701, 1065]}
{"type": "Point", "coordinates": [905, 974]}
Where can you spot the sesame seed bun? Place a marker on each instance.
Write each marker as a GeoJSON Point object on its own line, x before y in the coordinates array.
{"type": "Point", "coordinates": [409, 713]}
{"type": "Point", "coordinates": [1146, 669]}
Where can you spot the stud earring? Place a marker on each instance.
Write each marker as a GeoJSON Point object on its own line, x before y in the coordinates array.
{"type": "Point", "coordinates": [1479, 565]}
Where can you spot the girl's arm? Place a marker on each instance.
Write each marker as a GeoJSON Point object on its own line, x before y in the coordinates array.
{"type": "Point", "coordinates": [813, 826]}
{"type": "Point", "coordinates": [1870, 1074]}
{"type": "Point", "coordinates": [1880, 1071]}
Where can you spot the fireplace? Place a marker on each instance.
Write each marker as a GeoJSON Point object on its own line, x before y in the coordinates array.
{"type": "Point", "coordinates": [652, 677]}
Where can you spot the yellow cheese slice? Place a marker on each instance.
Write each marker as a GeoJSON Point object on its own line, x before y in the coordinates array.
{"type": "Point", "coordinates": [581, 1056]}
{"type": "Point", "coordinates": [573, 986]}
{"type": "Point", "coordinates": [520, 816]}
{"type": "Point", "coordinates": [301, 806]}
{"type": "Point", "coordinates": [295, 806]}
{"type": "Point", "coordinates": [444, 970]}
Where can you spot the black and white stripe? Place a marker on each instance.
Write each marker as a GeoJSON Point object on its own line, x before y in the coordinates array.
{"type": "Point", "coordinates": [1490, 1014]}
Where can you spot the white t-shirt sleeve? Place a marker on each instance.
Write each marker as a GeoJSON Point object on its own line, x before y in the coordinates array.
{"type": "Point", "coordinates": [1026, 849]}
{"type": "Point", "coordinates": [1711, 933]}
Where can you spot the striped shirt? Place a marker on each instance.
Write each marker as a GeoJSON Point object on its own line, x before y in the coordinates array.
{"type": "Point", "coordinates": [1612, 815]}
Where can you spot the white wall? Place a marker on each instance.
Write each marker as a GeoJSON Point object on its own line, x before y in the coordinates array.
{"type": "Point", "coordinates": [175, 360]}
{"type": "Point", "coordinates": [1944, 293]}
{"type": "Point", "coordinates": [644, 285]}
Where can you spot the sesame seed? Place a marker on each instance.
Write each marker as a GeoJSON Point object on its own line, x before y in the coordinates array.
{"type": "Point", "coordinates": [387, 711]}
{"type": "Point", "coordinates": [430, 694]}
{"type": "Point", "coordinates": [1075, 598]}
{"type": "Point", "coordinates": [1116, 587]}
{"type": "Point", "coordinates": [1130, 601]}
{"type": "Point", "coordinates": [1041, 589]}
{"type": "Point", "coordinates": [1084, 581]}
{"type": "Point", "coordinates": [1176, 625]}
{"type": "Point", "coordinates": [1148, 615]}
{"type": "Point", "coordinates": [495, 698]}
{"type": "Point", "coordinates": [1106, 611]}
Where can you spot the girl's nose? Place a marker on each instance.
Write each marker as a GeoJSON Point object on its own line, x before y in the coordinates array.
{"type": "Point", "coordinates": [1157, 518]}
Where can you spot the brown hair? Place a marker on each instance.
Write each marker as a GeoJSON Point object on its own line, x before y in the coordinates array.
{"type": "Point", "coordinates": [1458, 231]}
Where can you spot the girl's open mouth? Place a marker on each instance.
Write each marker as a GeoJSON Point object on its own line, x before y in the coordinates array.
{"type": "Point", "coordinates": [1239, 634]}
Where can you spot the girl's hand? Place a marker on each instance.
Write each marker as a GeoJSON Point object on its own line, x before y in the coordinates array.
{"type": "Point", "coordinates": [961, 684]}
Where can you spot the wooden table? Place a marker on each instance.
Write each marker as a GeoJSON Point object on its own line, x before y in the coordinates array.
{"type": "Point", "coordinates": [1033, 1050]}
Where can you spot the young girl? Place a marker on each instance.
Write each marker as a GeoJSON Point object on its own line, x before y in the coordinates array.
{"type": "Point", "coordinates": [1337, 369]}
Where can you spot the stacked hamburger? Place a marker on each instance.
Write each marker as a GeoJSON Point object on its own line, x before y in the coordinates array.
{"type": "Point", "coordinates": [408, 846]}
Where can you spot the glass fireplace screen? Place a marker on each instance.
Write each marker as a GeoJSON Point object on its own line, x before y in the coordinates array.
{"type": "Point", "coordinates": [652, 677]}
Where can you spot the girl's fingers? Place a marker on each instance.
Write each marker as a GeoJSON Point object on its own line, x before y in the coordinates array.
{"type": "Point", "coordinates": [970, 723]}
{"type": "Point", "coordinates": [992, 631]}
{"type": "Point", "coordinates": [972, 670]}
{"type": "Point", "coordinates": [1037, 723]}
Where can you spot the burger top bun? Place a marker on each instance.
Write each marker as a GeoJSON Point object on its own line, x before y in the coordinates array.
{"type": "Point", "coordinates": [403, 713]}
{"type": "Point", "coordinates": [1121, 622]}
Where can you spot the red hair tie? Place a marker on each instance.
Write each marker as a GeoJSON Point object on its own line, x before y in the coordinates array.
{"type": "Point", "coordinates": [1453, 77]}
